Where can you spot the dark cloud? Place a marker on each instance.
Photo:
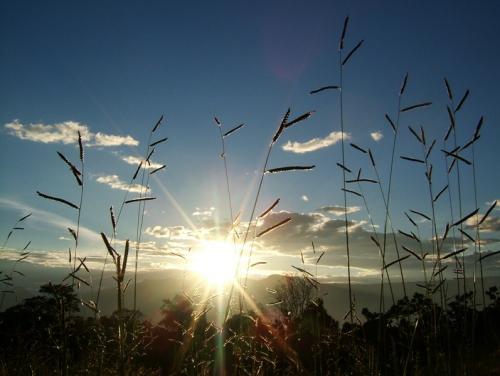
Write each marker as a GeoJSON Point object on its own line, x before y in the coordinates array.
{"type": "Point", "coordinates": [281, 245]}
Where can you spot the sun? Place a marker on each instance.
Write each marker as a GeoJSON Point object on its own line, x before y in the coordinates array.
{"type": "Point", "coordinates": [215, 261]}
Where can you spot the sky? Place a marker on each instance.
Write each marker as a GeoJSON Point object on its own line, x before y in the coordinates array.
{"type": "Point", "coordinates": [111, 69]}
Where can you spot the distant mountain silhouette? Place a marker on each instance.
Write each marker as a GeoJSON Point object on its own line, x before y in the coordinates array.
{"type": "Point", "coordinates": [155, 286]}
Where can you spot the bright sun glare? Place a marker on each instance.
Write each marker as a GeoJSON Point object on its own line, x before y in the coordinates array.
{"type": "Point", "coordinates": [215, 261]}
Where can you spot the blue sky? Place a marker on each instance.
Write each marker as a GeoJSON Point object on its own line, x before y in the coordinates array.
{"type": "Point", "coordinates": [115, 67]}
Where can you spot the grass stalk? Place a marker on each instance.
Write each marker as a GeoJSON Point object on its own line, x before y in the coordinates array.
{"type": "Point", "coordinates": [389, 187]}
{"type": "Point", "coordinates": [82, 185]}
{"type": "Point", "coordinates": [240, 255]}
{"type": "Point", "coordinates": [346, 221]}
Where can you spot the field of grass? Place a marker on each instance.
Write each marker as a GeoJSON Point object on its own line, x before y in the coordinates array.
{"type": "Point", "coordinates": [432, 331]}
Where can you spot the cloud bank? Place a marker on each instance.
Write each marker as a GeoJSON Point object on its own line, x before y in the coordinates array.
{"type": "Point", "coordinates": [339, 210]}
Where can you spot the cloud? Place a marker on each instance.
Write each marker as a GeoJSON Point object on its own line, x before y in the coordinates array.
{"type": "Point", "coordinates": [65, 133]}
{"type": "Point", "coordinates": [339, 210]}
{"type": "Point", "coordinates": [376, 136]}
{"type": "Point", "coordinates": [491, 203]}
{"type": "Point", "coordinates": [174, 233]}
{"type": "Point", "coordinates": [280, 248]}
{"type": "Point", "coordinates": [305, 198]}
{"type": "Point", "coordinates": [328, 235]}
{"type": "Point", "coordinates": [204, 214]}
{"type": "Point", "coordinates": [47, 218]}
{"type": "Point", "coordinates": [101, 139]}
{"type": "Point", "coordinates": [114, 182]}
{"type": "Point", "coordinates": [490, 224]}
{"type": "Point", "coordinates": [136, 161]}
{"type": "Point", "coordinates": [315, 144]}
{"type": "Point", "coordinates": [158, 231]}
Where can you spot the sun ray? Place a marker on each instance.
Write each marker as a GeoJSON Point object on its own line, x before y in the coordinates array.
{"type": "Point", "coordinates": [174, 202]}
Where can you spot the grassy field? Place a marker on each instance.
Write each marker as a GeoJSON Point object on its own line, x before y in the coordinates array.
{"type": "Point", "coordinates": [104, 321]}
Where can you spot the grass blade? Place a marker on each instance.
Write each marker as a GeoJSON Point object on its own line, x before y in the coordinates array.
{"type": "Point", "coordinates": [302, 270]}
{"type": "Point", "coordinates": [331, 87]}
{"type": "Point", "coordinates": [233, 130]}
{"type": "Point", "coordinates": [462, 101]}
{"type": "Point", "coordinates": [419, 105]}
{"type": "Point", "coordinates": [352, 52]}
{"type": "Point", "coordinates": [412, 252]}
{"type": "Point", "coordinates": [265, 212]}
{"type": "Point", "coordinates": [299, 119]}
{"type": "Point", "coordinates": [489, 255]}
{"type": "Point", "coordinates": [157, 124]}
{"type": "Point", "coordinates": [258, 263]}
{"type": "Point", "coordinates": [403, 86]}
{"type": "Point", "coordinates": [140, 199]}
{"type": "Point", "coordinates": [344, 29]}
{"type": "Point", "coordinates": [158, 142]}
{"type": "Point", "coordinates": [471, 214]}
{"type": "Point", "coordinates": [466, 235]}
{"type": "Point", "coordinates": [440, 193]}
{"type": "Point", "coordinates": [412, 159]}
{"type": "Point", "coordinates": [391, 123]}
{"type": "Point", "coordinates": [25, 217]}
{"type": "Point", "coordinates": [63, 201]}
{"type": "Point", "coordinates": [421, 214]}
{"type": "Point", "coordinates": [137, 171]}
{"type": "Point", "coordinates": [158, 169]}
{"type": "Point", "coordinates": [113, 219]}
{"type": "Point", "coordinates": [396, 261]}
{"type": "Point", "coordinates": [454, 253]}
{"type": "Point", "coordinates": [359, 148]}
{"type": "Point", "coordinates": [273, 227]}
{"type": "Point", "coordinates": [289, 168]}
{"type": "Point", "coordinates": [80, 146]}
{"type": "Point", "coordinates": [448, 89]}
{"type": "Point", "coordinates": [344, 167]}
{"type": "Point", "coordinates": [281, 127]}
{"type": "Point", "coordinates": [351, 191]}
{"type": "Point", "coordinates": [488, 212]}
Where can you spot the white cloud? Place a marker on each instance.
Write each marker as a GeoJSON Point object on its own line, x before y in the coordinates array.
{"type": "Point", "coordinates": [65, 133]}
{"type": "Point", "coordinates": [206, 213]}
{"type": "Point", "coordinates": [136, 161]}
{"type": "Point", "coordinates": [490, 224]}
{"type": "Point", "coordinates": [158, 231]}
{"type": "Point", "coordinates": [339, 210]}
{"type": "Point", "coordinates": [203, 214]}
{"type": "Point", "coordinates": [315, 144]}
{"type": "Point", "coordinates": [305, 198]}
{"type": "Point", "coordinates": [491, 203]}
{"type": "Point", "coordinates": [102, 139]}
{"type": "Point", "coordinates": [376, 136]}
{"type": "Point", "coordinates": [114, 182]}
{"type": "Point", "coordinates": [184, 236]}
{"type": "Point", "coordinates": [50, 219]}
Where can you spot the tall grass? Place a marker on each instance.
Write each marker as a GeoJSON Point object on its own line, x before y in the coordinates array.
{"type": "Point", "coordinates": [415, 335]}
{"type": "Point", "coordinates": [342, 61]}
{"type": "Point", "coordinates": [285, 123]}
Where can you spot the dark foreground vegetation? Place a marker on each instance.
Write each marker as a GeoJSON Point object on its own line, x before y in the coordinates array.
{"type": "Point", "coordinates": [52, 333]}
